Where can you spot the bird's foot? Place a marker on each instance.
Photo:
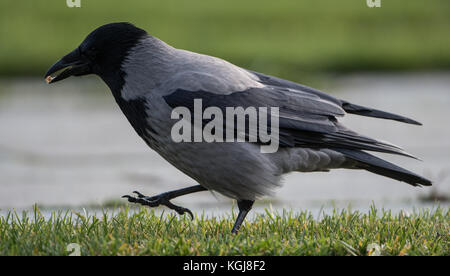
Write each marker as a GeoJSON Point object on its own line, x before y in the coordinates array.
{"type": "Point", "coordinates": [155, 201]}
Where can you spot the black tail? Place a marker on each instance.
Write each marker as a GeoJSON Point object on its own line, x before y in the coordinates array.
{"type": "Point", "coordinates": [382, 167]}
{"type": "Point", "coordinates": [369, 112]}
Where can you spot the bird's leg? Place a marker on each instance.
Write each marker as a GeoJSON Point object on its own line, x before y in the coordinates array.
{"type": "Point", "coordinates": [164, 199]}
{"type": "Point", "coordinates": [244, 207]}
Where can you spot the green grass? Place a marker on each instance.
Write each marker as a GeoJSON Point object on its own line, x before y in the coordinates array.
{"type": "Point", "coordinates": [285, 37]}
{"type": "Point", "coordinates": [144, 233]}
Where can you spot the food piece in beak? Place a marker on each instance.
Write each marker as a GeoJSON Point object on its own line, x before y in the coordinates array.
{"type": "Point", "coordinates": [49, 79]}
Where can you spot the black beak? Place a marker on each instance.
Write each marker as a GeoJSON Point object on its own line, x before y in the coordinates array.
{"type": "Point", "coordinates": [75, 65]}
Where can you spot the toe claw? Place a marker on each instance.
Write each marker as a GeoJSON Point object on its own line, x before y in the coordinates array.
{"type": "Point", "coordinates": [190, 213]}
{"type": "Point", "coordinates": [130, 198]}
{"type": "Point", "coordinates": [139, 194]}
{"type": "Point", "coordinates": [182, 211]}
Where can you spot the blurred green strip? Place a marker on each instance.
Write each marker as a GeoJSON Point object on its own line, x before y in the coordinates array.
{"type": "Point", "coordinates": [282, 37]}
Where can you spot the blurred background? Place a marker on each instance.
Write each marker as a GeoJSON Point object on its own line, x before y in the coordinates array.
{"type": "Point", "coordinates": [68, 145]}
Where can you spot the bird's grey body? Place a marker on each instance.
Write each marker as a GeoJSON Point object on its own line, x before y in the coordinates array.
{"type": "Point", "coordinates": [238, 170]}
{"type": "Point", "coordinates": [149, 79]}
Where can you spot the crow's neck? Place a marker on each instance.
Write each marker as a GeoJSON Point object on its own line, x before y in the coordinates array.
{"type": "Point", "coordinates": [143, 67]}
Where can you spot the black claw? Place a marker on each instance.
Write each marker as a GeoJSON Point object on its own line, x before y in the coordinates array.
{"type": "Point", "coordinates": [183, 211]}
{"type": "Point", "coordinates": [190, 213]}
{"type": "Point", "coordinates": [130, 198]}
{"type": "Point", "coordinates": [139, 194]}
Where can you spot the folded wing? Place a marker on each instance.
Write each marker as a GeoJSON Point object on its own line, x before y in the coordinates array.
{"type": "Point", "coordinates": [305, 119]}
{"type": "Point", "coordinates": [347, 106]}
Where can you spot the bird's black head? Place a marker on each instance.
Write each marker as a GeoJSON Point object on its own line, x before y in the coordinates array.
{"type": "Point", "coordinates": [101, 53]}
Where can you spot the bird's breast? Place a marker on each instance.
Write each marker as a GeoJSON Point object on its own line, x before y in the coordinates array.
{"type": "Point", "coordinates": [136, 111]}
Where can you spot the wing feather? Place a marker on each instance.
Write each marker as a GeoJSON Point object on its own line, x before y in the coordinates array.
{"type": "Point", "coordinates": [305, 120]}
{"type": "Point", "coordinates": [347, 106]}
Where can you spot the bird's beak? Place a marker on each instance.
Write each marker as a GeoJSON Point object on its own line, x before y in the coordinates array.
{"type": "Point", "coordinates": [74, 65]}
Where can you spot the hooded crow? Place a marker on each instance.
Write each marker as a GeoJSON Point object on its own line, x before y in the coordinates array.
{"type": "Point", "coordinates": [149, 79]}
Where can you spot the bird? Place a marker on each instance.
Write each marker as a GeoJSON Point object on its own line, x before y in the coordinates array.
{"type": "Point", "coordinates": [149, 79]}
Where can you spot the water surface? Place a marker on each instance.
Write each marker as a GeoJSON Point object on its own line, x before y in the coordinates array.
{"type": "Point", "coordinates": [69, 145]}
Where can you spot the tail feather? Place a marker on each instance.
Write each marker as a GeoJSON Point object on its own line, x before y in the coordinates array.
{"type": "Point", "coordinates": [379, 166]}
{"type": "Point", "coordinates": [370, 112]}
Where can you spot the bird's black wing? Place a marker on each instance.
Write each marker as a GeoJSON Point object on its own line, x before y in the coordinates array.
{"type": "Point", "coordinates": [305, 119]}
{"type": "Point", "coordinates": [347, 106]}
